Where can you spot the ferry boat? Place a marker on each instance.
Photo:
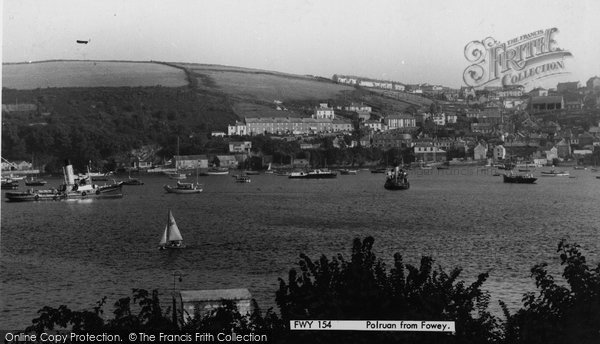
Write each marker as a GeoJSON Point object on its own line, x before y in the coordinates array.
{"type": "Point", "coordinates": [314, 174]}
{"type": "Point", "coordinates": [73, 188]}
{"type": "Point", "coordinates": [396, 180]}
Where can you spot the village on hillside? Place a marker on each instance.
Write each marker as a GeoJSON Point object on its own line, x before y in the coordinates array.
{"type": "Point", "coordinates": [542, 126]}
{"type": "Point", "coordinates": [439, 125]}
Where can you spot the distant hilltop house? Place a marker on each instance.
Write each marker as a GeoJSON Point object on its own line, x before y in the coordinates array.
{"type": "Point", "coordinates": [18, 107]}
{"type": "Point", "coordinates": [358, 108]}
{"type": "Point", "coordinates": [546, 103]}
{"type": "Point", "coordinates": [563, 87]}
{"type": "Point", "coordinates": [510, 91]}
{"type": "Point", "coordinates": [593, 83]}
{"type": "Point", "coordinates": [467, 92]}
{"type": "Point", "coordinates": [368, 82]}
{"type": "Point", "coordinates": [538, 92]}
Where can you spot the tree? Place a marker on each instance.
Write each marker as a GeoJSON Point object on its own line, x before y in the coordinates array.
{"type": "Point", "coordinates": [559, 313]}
{"type": "Point", "coordinates": [362, 288]}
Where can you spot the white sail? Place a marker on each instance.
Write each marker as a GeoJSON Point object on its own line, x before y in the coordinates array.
{"type": "Point", "coordinates": [173, 233]}
{"type": "Point", "coordinates": [163, 240]}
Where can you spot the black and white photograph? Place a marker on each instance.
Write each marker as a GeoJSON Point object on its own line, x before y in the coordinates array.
{"type": "Point", "coordinates": [300, 171]}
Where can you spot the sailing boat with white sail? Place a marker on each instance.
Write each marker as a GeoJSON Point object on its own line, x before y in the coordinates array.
{"type": "Point", "coordinates": [171, 238]}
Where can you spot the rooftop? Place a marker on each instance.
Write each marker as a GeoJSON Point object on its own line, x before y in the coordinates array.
{"type": "Point", "coordinates": [215, 294]}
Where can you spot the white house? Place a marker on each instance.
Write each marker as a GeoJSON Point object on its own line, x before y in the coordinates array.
{"type": "Point", "coordinates": [499, 152]}
{"type": "Point", "coordinates": [552, 154]}
{"type": "Point", "coordinates": [374, 125]}
{"type": "Point", "coordinates": [240, 147]}
{"type": "Point", "coordinates": [439, 119]}
{"type": "Point", "coordinates": [427, 152]}
{"type": "Point", "coordinates": [239, 128]}
{"type": "Point", "coordinates": [324, 111]}
{"type": "Point", "coordinates": [358, 108]}
{"type": "Point", "coordinates": [400, 121]}
{"type": "Point", "coordinates": [480, 152]}
{"type": "Point", "coordinates": [451, 118]}
{"type": "Point", "coordinates": [399, 87]}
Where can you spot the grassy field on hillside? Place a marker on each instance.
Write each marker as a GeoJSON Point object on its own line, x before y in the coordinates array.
{"type": "Point", "coordinates": [265, 86]}
{"type": "Point", "coordinates": [26, 76]}
{"type": "Point", "coordinates": [256, 110]}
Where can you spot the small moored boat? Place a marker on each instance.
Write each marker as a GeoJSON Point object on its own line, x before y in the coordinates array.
{"type": "Point", "coordinates": [33, 181]}
{"type": "Point", "coordinates": [132, 181]}
{"type": "Point", "coordinates": [242, 179]}
{"type": "Point", "coordinates": [10, 184]}
{"type": "Point", "coordinates": [314, 174]}
{"type": "Point", "coordinates": [519, 179]}
{"type": "Point", "coordinates": [184, 188]}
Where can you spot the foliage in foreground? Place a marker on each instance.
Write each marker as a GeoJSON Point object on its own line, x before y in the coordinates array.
{"type": "Point", "coordinates": [559, 313]}
{"type": "Point", "coordinates": [362, 288]}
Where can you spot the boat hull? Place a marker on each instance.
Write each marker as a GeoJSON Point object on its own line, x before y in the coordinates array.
{"type": "Point", "coordinates": [36, 183]}
{"type": "Point", "coordinates": [217, 173]}
{"type": "Point", "coordinates": [110, 191]}
{"type": "Point", "coordinates": [313, 175]}
{"type": "Point", "coordinates": [171, 247]}
{"type": "Point", "coordinates": [519, 179]}
{"type": "Point", "coordinates": [176, 190]}
{"type": "Point", "coordinates": [10, 185]}
{"type": "Point", "coordinates": [393, 185]}
{"type": "Point", "coordinates": [132, 182]}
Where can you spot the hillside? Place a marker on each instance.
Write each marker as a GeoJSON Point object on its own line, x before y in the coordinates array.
{"type": "Point", "coordinates": [100, 110]}
{"type": "Point", "coordinates": [90, 74]}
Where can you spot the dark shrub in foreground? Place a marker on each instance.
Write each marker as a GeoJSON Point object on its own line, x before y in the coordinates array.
{"type": "Point", "coordinates": [559, 313]}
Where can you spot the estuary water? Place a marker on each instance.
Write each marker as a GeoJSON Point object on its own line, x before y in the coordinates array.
{"type": "Point", "coordinates": [249, 235]}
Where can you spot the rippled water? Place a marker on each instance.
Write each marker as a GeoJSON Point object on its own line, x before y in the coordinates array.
{"type": "Point", "coordinates": [248, 235]}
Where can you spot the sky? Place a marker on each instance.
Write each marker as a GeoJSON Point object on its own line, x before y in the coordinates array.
{"type": "Point", "coordinates": [409, 41]}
